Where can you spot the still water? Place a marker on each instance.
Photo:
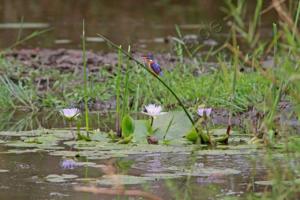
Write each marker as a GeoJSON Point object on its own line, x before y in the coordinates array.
{"type": "Point", "coordinates": [145, 25]}
{"type": "Point", "coordinates": [140, 23]}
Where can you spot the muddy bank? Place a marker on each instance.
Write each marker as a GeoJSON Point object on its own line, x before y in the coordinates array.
{"type": "Point", "coordinates": [69, 60]}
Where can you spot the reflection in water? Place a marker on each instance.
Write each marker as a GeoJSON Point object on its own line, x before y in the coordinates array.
{"type": "Point", "coordinates": [123, 21]}
{"type": "Point", "coordinates": [20, 121]}
{"type": "Point", "coordinates": [28, 171]}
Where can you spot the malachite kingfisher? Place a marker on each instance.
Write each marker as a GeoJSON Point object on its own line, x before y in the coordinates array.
{"type": "Point", "coordinates": [152, 64]}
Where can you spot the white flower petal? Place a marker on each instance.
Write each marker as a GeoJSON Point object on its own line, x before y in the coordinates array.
{"type": "Point", "coordinates": [70, 112]}
{"type": "Point", "coordinates": [153, 110]}
{"type": "Point", "coordinates": [201, 111]}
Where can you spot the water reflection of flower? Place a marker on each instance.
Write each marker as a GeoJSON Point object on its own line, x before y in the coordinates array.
{"type": "Point", "coordinates": [68, 164]}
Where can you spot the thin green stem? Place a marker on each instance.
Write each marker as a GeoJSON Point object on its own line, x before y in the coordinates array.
{"type": "Point", "coordinates": [85, 79]}
{"type": "Point", "coordinates": [151, 121]}
{"type": "Point", "coordinates": [153, 74]}
{"type": "Point", "coordinates": [118, 87]}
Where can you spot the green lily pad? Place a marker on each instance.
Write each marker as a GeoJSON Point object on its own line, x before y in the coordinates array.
{"type": "Point", "coordinates": [110, 180]}
{"type": "Point", "coordinates": [33, 145]}
{"type": "Point", "coordinates": [203, 171]}
{"type": "Point", "coordinates": [86, 164]}
{"type": "Point", "coordinates": [99, 136]}
{"type": "Point", "coordinates": [217, 152]}
{"type": "Point", "coordinates": [158, 176]}
{"type": "Point", "coordinates": [21, 151]}
{"type": "Point", "coordinates": [272, 182]}
{"type": "Point", "coordinates": [22, 133]}
{"type": "Point", "coordinates": [64, 153]}
{"type": "Point", "coordinates": [24, 25]}
{"type": "Point", "coordinates": [55, 178]}
{"type": "Point", "coordinates": [180, 125]}
{"type": "Point", "coordinates": [41, 139]}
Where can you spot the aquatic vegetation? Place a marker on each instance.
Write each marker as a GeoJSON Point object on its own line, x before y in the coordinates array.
{"type": "Point", "coordinates": [85, 81]}
{"type": "Point", "coordinates": [250, 92]}
{"type": "Point", "coordinates": [149, 71]}
{"type": "Point", "coordinates": [24, 96]}
{"type": "Point", "coordinates": [55, 178]}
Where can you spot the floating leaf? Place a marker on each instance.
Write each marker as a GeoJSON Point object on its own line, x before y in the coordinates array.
{"type": "Point", "coordinates": [110, 180]}
{"type": "Point", "coordinates": [55, 178]}
{"type": "Point", "coordinates": [24, 25]}
{"type": "Point", "coordinates": [163, 175]}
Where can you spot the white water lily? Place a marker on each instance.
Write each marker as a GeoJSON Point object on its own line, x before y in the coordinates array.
{"type": "Point", "coordinates": [70, 113]}
{"type": "Point", "coordinates": [153, 110]}
{"type": "Point", "coordinates": [206, 111]}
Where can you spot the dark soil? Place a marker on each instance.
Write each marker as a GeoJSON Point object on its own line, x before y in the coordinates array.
{"type": "Point", "coordinates": [68, 60]}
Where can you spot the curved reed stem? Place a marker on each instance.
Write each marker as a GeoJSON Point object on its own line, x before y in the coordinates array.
{"type": "Point", "coordinates": [149, 71]}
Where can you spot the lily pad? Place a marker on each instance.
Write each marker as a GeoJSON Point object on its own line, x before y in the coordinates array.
{"type": "Point", "coordinates": [64, 153]}
{"type": "Point", "coordinates": [21, 151]}
{"type": "Point", "coordinates": [55, 178]}
{"type": "Point", "coordinates": [22, 133]}
{"type": "Point", "coordinates": [157, 176]}
{"type": "Point", "coordinates": [86, 164]}
{"type": "Point", "coordinates": [203, 171]}
{"type": "Point", "coordinates": [24, 25]}
{"type": "Point", "coordinates": [33, 145]}
{"type": "Point", "coordinates": [272, 182]}
{"type": "Point", "coordinates": [180, 125]}
{"type": "Point", "coordinates": [110, 180]}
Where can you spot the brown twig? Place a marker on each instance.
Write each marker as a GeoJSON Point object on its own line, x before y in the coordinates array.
{"type": "Point", "coordinates": [116, 191]}
{"type": "Point", "coordinates": [284, 15]}
{"type": "Point", "coordinates": [271, 7]}
{"type": "Point", "coordinates": [254, 65]}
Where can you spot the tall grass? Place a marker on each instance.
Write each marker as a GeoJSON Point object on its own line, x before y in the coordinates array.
{"type": "Point", "coordinates": [24, 97]}
{"type": "Point", "coordinates": [85, 79]}
{"type": "Point", "coordinates": [150, 72]}
{"type": "Point", "coordinates": [248, 30]}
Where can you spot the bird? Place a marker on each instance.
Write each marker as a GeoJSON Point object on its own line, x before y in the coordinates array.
{"type": "Point", "coordinates": [152, 64]}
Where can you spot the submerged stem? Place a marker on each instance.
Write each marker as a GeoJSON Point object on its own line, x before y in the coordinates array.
{"type": "Point", "coordinates": [149, 71]}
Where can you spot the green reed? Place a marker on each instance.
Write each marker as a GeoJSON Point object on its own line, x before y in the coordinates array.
{"type": "Point", "coordinates": [130, 57]}
{"type": "Point", "coordinates": [85, 80]}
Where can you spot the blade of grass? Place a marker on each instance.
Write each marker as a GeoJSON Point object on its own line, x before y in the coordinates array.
{"type": "Point", "coordinates": [85, 79]}
{"type": "Point", "coordinates": [118, 87]}
{"type": "Point", "coordinates": [126, 90]}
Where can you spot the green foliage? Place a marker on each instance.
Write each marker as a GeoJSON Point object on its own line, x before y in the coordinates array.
{"type": "Point", "coordinates": [192, 136]}
{"type": "Point", "coordinates": [127, 126]}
